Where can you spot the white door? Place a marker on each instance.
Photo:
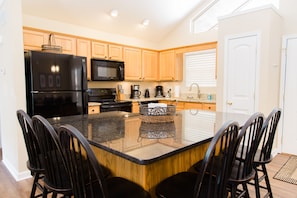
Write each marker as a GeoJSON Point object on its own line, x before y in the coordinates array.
{"type": "Point", "coordinates": [289, 93]}
{"type": "Point", "coordinates": [241, 61]}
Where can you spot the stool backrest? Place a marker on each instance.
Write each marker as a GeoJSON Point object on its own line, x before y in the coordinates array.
{"type": "Point", "coordinates": [269, 129]}
{"type": "Point", "coordinates": [218, 161]}
{"type": "Point", "coordinates": [250, 134]}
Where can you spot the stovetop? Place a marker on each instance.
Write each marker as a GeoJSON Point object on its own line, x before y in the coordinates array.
{"type": "Point", "coordinates": [105, 96]}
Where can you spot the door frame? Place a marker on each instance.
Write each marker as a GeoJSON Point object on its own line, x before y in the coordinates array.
{"type": "Point", "coordinates": [285, 38]}
{"type": "Point", "coordinates": [257, 69]}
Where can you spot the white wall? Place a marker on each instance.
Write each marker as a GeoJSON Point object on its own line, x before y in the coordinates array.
{"type": "Point", "coordinates": [266, 22]}
{"type": "Point", "coordinates": [287, 9]}
{"type": "Point", "coordinates": [56, 26]}
{"type": "Point", "coordinates": [12, 87]}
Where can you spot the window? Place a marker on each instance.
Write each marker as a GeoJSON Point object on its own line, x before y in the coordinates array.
{"type": "Point", "coordinates": [207, 18]}
{"type": "Point", "coordinates": [200, 68]}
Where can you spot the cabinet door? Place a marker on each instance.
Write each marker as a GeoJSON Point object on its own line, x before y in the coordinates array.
{"type": "Point", "coordinates": [132, 59]}
{"type": "Point", "coordinates": [149, 65]}
{"type": "Point", "coordinates": [68, 43]}
{"type": "Point", "coordinates": [115, 52]}
{"type": "Point", "coordinates": [34, 39]}
{"type": "Point", "coordinates": [83, 47]}
{"type": "Point", "coordinates": [170, 66]}
{"type": "Point", "coordinates": [135, 107]}
{"type": "Point", "coordinates": [99, 50]}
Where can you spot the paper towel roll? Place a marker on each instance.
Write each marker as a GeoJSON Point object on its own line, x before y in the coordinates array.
{"type": "Point", "coordinates": [176, 91]}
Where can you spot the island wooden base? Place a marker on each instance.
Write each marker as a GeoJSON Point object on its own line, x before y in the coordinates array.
{"type": "Point", "coordinates": [148, 176]}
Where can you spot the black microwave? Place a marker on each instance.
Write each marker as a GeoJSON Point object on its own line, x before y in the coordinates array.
{"type": "Point", "coordinates": [107, 70]}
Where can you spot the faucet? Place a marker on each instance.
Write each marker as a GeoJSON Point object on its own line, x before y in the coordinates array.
{"type": "Point", "coordinates": [198, 89]}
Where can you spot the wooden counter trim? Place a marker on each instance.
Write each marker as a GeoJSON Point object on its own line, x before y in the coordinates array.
{"type": "Point", "coordinates": [148, 176]}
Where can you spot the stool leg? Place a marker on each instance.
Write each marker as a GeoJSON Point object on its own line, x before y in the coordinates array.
{"type": "Point", "coordinates": [267, 181]}
{"type": "Point", "coordinates": [257, 185]}
{"type": "Point", "coordinates": [36, 177]}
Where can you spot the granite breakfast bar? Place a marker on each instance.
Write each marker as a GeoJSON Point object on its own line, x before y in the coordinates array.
{"type": "Point", "coordinates": [147, 153]}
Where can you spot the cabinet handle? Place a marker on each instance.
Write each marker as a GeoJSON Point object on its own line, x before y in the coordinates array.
{"type": "Point", "coordinates": [229, 103]}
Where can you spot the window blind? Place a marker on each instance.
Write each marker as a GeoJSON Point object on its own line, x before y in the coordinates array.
{"type": "Point", "coordinates": [200, 68]}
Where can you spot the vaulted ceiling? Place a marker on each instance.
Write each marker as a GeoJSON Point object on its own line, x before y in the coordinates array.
{"type": "Point", "coordinates": [164, 15]}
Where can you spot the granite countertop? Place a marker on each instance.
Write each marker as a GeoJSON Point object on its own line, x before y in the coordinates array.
{"type": "Point", "coordinates": [126, 135]}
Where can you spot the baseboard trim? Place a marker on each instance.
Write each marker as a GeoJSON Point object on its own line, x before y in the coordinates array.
{"type": "Point", "coordinates": [18, 176]}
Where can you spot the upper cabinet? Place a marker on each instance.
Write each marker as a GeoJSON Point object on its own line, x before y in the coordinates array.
{"type": "Point", "coordinates": [107, 51]}
{"type": "Point", "coordinates": [34, 39]}
{"type": "Point", "coordinates": [150, 60]}
{"type": "Point", "coordinates": [68, 43]}
{"type": "Point", "coordinates": [140, 65]}
{"type": "Point", "coordinates": [132, 59]}
{"type": "Point", "coordinates": [83, 48]}
{"type": "Point", "coordinates": [170, 68]}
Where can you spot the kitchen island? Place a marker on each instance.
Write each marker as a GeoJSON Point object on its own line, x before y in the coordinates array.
{"type": "Point", "coordinates": [147, 153]}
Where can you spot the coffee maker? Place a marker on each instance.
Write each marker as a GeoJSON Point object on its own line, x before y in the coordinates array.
{"type": "Point", "coordinates": [135, 92]}
{"type": "Point", "coordinates": [159, 92]}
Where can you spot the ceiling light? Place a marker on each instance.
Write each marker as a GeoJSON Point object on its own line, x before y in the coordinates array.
{"type": "Point", "coordinates": [145, 22]}
{"type": "Point", "coordinates": [114, 13]}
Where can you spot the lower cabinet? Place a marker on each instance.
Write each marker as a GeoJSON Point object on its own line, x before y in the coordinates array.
{"type": "Point", "coordinates": [209, 106]}
{"type": "Point", "coordinates": [180, 105]}
{"type": "Point", "coordinates": [135, 107]}
{"type": "Point", "coordinates": [93, 109]}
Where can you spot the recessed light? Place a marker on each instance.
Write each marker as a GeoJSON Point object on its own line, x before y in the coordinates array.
{"type": "Point", "coordinates": [145, 22]}
{"type": "Point", "coordinates": [114, 13]}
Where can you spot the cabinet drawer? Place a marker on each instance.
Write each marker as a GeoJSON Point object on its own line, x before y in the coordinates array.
{"type": "Point", "coordinates": [207, 106]}
{"type": "Point", "coordinates": [193, 105]}
{"type": "Point", "coordinates": [93, 109]}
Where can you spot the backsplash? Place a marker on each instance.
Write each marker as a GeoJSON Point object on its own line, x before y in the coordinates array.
{"type": "Point", "coordinates": [184, 92]}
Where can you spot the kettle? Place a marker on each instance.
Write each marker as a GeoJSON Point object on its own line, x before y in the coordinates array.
{"type": "Point", "coordinates": [147, 93]}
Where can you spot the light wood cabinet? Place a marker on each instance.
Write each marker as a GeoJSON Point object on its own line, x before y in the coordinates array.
{"type": "Point", "coordinates": [68, 43]}
{"type": "Point", "coordinates": [193, 105]}
{"type": "Point", "coordinates": [135, 107]}
{"type": "Point", "coordinates": [150, 64]}
{"type": "Point", "coordinates": [132, 59]}
{"type": "Point", "coordinates": [93, 109]}
{"type": "Point", "coordinates": [107, 51]}
{"type": "Point", "coordinates": [179, 105]}
{"type": "Point", "coordinates": [83, 48]}
{"type": "Point", "coordinates": [140, 65]}
{"type": "Point", "coordinates": [170, 68]}
{"type": "Point", "coordinates": [209, 106]}
{"type": "Point", "coordinates": [34, 39]}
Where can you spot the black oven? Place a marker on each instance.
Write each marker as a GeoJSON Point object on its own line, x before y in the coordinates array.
{"type": "Point", "coordinates": [107, 70]}
{"type": "Point", "coordinates": [107, 98]}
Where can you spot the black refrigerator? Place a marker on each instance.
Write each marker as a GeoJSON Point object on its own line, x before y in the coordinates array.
{"type": "Point", "coordinates": [56, 84]}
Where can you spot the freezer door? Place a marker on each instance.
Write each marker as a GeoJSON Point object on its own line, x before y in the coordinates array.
{"type": "Point", "coordinates": [57, 104]}
{"type": "Point", "coordinates": [57, 72]}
